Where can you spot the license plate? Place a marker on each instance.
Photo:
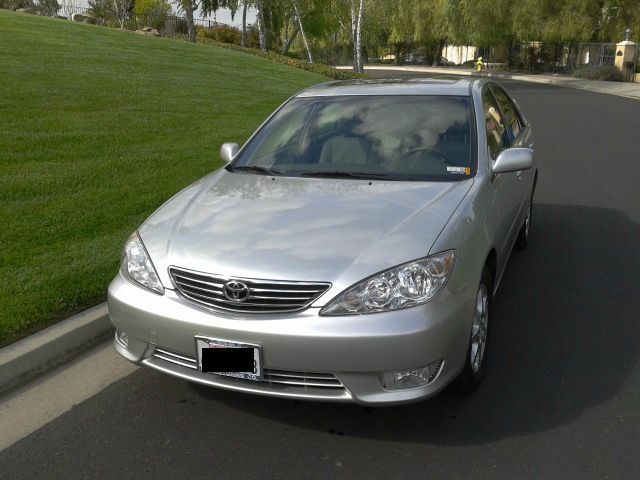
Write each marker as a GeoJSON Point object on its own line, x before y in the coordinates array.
{"type": "Point", "coordinates": [229, 358]}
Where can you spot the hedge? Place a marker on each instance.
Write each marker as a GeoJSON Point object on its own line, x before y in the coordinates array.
{"type": "Point", "coordinates": [318, 68]}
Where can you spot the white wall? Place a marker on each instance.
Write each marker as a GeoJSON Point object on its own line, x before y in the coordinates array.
{"type": "Point", "coordinates": [224, 16]}
{"type": "Point", "coordinates": [459, 53]}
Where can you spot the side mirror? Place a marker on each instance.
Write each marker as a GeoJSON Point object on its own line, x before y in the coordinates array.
{"type": "Point", "coordinates": [228, 151]}
{"type": "Point", "coordinates": [513, 160]}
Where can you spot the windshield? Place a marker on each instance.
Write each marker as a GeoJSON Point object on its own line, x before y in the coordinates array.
{"type": "Point", "coordinates": [384, 137]}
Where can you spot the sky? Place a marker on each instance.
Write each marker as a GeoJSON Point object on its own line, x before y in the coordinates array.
{"type": "Point", "coordinates": [224, 16]}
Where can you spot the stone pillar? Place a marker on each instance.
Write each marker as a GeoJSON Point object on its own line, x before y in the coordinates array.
{"type": "Point", "coordinates": [625, 56]}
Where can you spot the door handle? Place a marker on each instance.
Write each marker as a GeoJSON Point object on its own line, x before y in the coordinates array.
{"type": "Point", "coordinates": [519, 174]}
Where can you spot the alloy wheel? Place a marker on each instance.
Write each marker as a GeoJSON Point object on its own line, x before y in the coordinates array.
{"type": "Point", "coordinates": [479, 328]}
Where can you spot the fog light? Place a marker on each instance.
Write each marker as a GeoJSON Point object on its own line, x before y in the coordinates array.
{"type": "Point", "coordinates": [411, 378]}
{"type": "Point", "coordinates": [122, 338]}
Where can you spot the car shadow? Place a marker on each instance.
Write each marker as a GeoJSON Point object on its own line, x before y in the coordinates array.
{"type": "Point", "coordinates": [564, 339]}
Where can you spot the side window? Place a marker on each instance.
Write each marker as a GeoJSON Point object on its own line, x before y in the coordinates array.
{"type": "Point", "coordinates": [510, 113]}
{"type": "Point", "coordinates": [497, 138]}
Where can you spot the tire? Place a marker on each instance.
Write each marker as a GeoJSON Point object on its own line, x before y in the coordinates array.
{"type": "Point", "coordinates": [523, 236]}
{"type": "Point", "coordinates": [476, 357]}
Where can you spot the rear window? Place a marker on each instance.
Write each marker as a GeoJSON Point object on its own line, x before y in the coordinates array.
{"type": "Point", "coordinates": [391, 137]}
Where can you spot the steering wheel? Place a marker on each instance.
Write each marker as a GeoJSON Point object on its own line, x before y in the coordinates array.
{"type": "Point", "coordinates": [433, 152]}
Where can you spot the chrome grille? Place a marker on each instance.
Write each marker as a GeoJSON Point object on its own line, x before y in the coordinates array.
{"type": "Point", "coordinates": [302, 379]}
{"type": "Point", "coordinates": [280, 377]}
{"type": "Point", "coordinates": [264, 296]}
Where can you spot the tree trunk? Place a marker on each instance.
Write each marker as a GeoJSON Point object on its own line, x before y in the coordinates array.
{"type": "Point", "coordinates": [119, 10]}
{"type": "Point", "coordinates": [189, 7]}
{"type": "Point", "coordinates": [304, 37]}
{"type": "Point", "coordinates": [243, 41]}
{"type": "Point", "coordinates": [289, 41]}
{"type": "Point", "coordinates": [356, 29]}
{"type": "Point", "coordinates": [438, 52]}
{"type": "Point", "coordinates": [262, 34]}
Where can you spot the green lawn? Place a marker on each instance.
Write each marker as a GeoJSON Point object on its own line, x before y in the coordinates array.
{"type": "Point", "coordinates": [97, 128]}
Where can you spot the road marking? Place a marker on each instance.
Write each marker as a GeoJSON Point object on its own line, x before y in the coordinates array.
{"type": "Point", "coordinates": [33, 406]}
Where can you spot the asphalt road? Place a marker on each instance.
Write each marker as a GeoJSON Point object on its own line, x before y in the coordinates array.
{"type": "Point", "coordinates": [562, 396]}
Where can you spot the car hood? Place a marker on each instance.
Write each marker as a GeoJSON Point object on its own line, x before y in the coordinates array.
{"type": "Point", "coordinates": [293, 228]}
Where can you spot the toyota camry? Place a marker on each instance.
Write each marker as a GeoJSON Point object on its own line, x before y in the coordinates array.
{"type": "Point", "coordinates": [348, 251]}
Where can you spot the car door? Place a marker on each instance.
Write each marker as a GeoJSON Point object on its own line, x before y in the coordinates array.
{"type": "Point", "coordinates": [520, 136]}
{"type": "Point", "coordinates": [505, 187]}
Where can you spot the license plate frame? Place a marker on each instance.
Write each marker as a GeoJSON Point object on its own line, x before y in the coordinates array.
{"type": "Point", "coordinates": [208, 342]}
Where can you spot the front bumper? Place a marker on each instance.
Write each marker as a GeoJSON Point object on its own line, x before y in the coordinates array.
{"type": "Point", "coordinates": [303, 347]}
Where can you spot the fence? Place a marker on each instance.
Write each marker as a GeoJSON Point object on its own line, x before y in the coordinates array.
{"type": "Point", "coordinates": [167, 26]}
{"type": "Point", "coordinates": [531, 56]}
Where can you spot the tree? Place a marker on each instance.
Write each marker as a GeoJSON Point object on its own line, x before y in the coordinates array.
{"type": "Point", "coordinates": [270, 16]}
{"type": "Point", "coordinates": [121, 10]}
{"type": "Point", "coordinates": [403, 27]}
{"type": "Point", "coordinates": [188, 7]}
{"type": "Point", "coordinates": [432, 25]}
{"type": "Point", "coordinates": [104, 10]}
{"type": "Point", "coordinates": [357, 16]}
{"type": "Point", "coordinates": [152, 13]}
{"type": "Point", "coordinates": [489, 21]}
{"type": "Point", "coordinates": [288, 39]}
{"type": "Point", "coordinates": [243, 41]}
{"type": "Point", "coordinates": [48, 8]}
{"type": "Point", "coordinates": [616, 16]}
{"type": "Point", "coordinates": [301, 28]}
{"type": "Point", "coordinates": [262, 30]}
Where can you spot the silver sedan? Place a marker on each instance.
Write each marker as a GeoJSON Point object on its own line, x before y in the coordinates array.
{"type": "Point", "coordinates": [349, 251]}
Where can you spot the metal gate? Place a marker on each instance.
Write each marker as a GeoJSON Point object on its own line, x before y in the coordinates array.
{"type": "Point", "coordinates": [607, 55]}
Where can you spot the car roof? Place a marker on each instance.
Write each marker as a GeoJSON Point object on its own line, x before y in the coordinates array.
{"type": "Point", "coordinates": [392, 86]}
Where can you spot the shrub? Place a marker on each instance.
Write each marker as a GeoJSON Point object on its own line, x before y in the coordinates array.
{"type": "Point", "coordinates": [48, 7]}
{"type": "Point", "coordinates": [609, 73]}
{"type": "Point", "coordinates": [100, 9]}
{"type": "Point", "coordinates": [223, 33]}
{"type": "Point", "coordinates": [15, 4]}
{"type": "Point", "coordinates": [318, 68]}
{"type": "Point", "coordinates": [152, 13]}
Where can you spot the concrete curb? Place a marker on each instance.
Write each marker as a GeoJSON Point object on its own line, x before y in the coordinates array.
{"type": "Point", "coordinates": [620, 89]}
{"type": "Point", "coordinates": [48, 348]}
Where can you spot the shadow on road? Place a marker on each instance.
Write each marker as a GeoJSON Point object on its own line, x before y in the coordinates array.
{"type": "Point", "coordinates": [564, 339]}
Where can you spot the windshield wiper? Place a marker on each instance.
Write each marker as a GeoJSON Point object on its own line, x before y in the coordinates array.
{"type": "Point", "coordinates": [256, 169]}
{"type": "Point", "coordinates": [344, 174]}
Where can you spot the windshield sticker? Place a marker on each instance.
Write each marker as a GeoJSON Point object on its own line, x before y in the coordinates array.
{"type": "Point", "coordinates": [459, 170]}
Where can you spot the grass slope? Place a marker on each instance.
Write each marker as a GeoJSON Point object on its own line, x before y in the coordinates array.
{"type": "Point", "coordinates": [97, 128]}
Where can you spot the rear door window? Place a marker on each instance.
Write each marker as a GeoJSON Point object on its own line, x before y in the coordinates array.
{"type": "Point", "coordinates": [512, 120]}
{"type": "Point", "coordinates": [497, 137]}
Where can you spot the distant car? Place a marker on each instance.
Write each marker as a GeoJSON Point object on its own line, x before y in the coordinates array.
{"type": "Point", "coordinates": [415, 58]}
{"type": "Point", "coordinates": [444, 62]}
{"type": "Point", "coordinates": [349, 251]}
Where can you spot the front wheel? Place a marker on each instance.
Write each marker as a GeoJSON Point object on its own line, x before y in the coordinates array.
{"type": "Point", "coordinates": [476, 358]}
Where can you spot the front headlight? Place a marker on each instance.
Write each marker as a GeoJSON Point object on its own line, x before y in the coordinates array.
{"type": "Point", "coordinates": [137, 265]}
{"type": "Point", "coordinates": [404, 286]}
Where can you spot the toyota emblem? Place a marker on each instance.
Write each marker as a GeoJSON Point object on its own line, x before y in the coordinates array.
{"type": "Point", "coordinates": [235, 291]}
